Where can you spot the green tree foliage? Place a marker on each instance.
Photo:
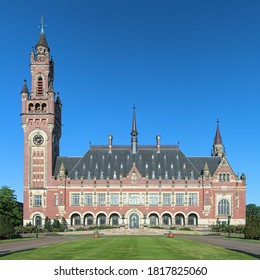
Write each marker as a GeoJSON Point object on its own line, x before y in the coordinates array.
{"type": "Point", "coordinates": [252, 210]}
{"type": "Point", "coordinates": [252, 229]}
{"type": "Point", "coordinates": [6, 228]}
{"type": "Point", "coordinates": [9, 206]}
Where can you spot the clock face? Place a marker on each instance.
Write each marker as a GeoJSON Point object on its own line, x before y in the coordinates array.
{"type": "Point", "coordinates": [38, 140]}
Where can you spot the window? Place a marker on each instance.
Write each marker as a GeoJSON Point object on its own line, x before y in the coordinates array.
{"type": "Point", "coordinates": [114, 220]}
{"type": "Point", "coordinates": [75, 197]}
{"type": "Point", "coordinates": [224, 177]}
{"type": "Point", "coordinates": [207, 199]}
{"type": "Point", "coordinates": [38, 221]}
{"type": "Point", "coordinates": [40, 85]}
{"type": "Point", "coordinates": [134, 199]}
{"type": "Point", "coordinates": [166, 199]}
{"type": "Point", "coordinates": [179, 198]}
{"type": "Point", "coordinates": [88, 199]}
{"type": "Point", "coordinates": [193, 199]}
{"type": "Point", "coordinates": [56, 200]}
{"type": "Point", "coordinates": [153, 220]}
{"type": "Point", "coordinates": [192, 175]}
{"type": "Point", "coordinates": [89, 220]}
{"type": "Point", "coordinates": [114, 199]}
{"type": "Point", "coordinates": [37, 200]}
{"type": "Point", "coordinates": [223, 207]}
{"type": "Point", "coordinates": [192, 220]}
{"type": "Point", "coordinates": [153, 199]}
{"type": "Point", "coordinates": [101, 199]}
{"type": "Point", "coordinates": [124, 198]}
{"type": "Point", "coordinates": [166, 220]}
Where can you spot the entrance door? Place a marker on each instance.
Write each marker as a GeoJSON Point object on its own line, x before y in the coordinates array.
{"type": "Point", "coordinates": [134, 221]}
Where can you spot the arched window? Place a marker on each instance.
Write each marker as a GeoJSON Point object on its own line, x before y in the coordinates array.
{"type": "Point", "coordinates": [75, 220]}
{"type": "Point", "coordinates": [89, 220]}
{"type": "Point", "coordinates": [101, 220]}
{"type": "Point", "coordinates": [223, 207]}
{"type": "Point", "coordinates": [30, 107]}
{"type": "Point", "coordinates": [40, 86]}
{"type": "Point", "coordinates": [166, 220]}
{"type": "Point", "coordinates": [38, 221]}
{"type": "Point", "coordinates": [153, 220]}
{"type": "Point", "coordinates": [114, 220]}
{"type": "Point", "coordinates": [44, 107]}
{"type": "Point", "coordinates": [192, 220]}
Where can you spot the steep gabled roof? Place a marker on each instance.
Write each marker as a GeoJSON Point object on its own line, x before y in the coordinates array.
{"type": "Point", "coordinates": [170, 162]}
{"type": "Point", "coordinates": [212, 162]}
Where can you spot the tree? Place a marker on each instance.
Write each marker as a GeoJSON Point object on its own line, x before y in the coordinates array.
{"type": "Point", "coordinates": [252, 210]}
{"type": "Point", "coordinates": [252, 229]}
{"type": "Point", "coordinates": [9, 206]}
{"type": "Point", "coordinates": [6, 228]}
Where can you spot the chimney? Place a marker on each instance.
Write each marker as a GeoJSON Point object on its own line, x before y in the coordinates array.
{"type": "Point", "coordinates": [158, 143]}
{"type": "Point", "coordinates": [110, 142]}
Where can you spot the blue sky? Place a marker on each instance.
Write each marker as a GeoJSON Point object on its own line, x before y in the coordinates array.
{"type": "Point", "coordinates": [184, 64]}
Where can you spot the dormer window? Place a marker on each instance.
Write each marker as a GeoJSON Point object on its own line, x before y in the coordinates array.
{"type": "Point", "coordinates": [114, 175]}
{"type": "Point", "coordinates": [40, 86]}
{"type": "Point", "coordinates": [153, 175]}
{"type": "Point", "coordinates": [179, 175]}
{"type": "Point", "coordinates": [192, 175]}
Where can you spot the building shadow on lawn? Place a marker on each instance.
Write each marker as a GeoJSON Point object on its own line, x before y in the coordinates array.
{"type": "Point", "coordinates": [246, 253]}
{"type": "Point", "coordinates": [9, 252]}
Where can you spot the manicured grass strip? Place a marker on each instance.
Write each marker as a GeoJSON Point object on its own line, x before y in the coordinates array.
{"type": "Point", "coordinates": [129, 248]}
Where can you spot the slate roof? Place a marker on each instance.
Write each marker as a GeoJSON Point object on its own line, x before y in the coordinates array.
{"type": "Point", "coordinates": [170, 162]}
{"type": "Point", "coordinates": [42, 41]}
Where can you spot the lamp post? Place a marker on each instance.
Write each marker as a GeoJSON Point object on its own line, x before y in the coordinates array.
{"type": "Point", "coordinates": [229, 218]}
{"type": "Point", "coordinates": [37, 221]}
{"type": "Point", "coordinates": [123, 218]}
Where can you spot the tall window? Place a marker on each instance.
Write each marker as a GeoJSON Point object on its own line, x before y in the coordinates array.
{"type": "Point", "coordinates": [166, 199]}
{"type": "Point", "coordinates": [40, 85]}
{"type": "Point", "coordinates": [114, 199]}
{"type": "Point", "coordinates": [56, 200]}
{"type": "Point", "coordinates": [193, 199]}
{"type": "Point", "coordinates": [223, 207]}
{"type": "Point", "coordinates": [134, 199]}
{"type": "Point", "coordinates": [75, 199]}
{"type": "Point", "coordinates": [153, 199]}
{"type": "Point", "coordinates": [88, 199]}
{"type": "Point", "coordinates": [101, 199]}
{"type": "Point", "coordinates": [37, 200]}
{"type": "Point", "coordinates": [179, 198]}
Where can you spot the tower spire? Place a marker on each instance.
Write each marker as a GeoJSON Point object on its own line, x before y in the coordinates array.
{"type": "Point", "coordinates": [134, 133]}
{"type": "Point", "coordinates": [218, 145]}
{"type": "Point", "coordinates": [42, 41]}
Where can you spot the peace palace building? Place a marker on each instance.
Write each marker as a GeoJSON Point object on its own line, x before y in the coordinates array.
{"type": "Point", "coordinates": [130, 186]}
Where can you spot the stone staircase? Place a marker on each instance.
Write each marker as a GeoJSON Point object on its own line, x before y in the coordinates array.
{"type": "Point", "coordinates": [134, 231]}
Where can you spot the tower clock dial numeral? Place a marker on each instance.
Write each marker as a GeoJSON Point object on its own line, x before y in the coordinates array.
{"type": "Point", "coordinates": [38, 140]}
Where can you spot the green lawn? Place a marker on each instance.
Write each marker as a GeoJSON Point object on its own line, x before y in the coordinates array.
{"type": "Point", "coordinates": [129, 248]}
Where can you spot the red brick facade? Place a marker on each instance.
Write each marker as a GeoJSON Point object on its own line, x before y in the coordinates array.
{"type": "Point", "coordinates": [131, 186]}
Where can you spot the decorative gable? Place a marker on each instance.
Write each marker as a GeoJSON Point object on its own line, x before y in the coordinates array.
{"type": "Point", "coordinates": [224, 172]}
{"type": "Point", "coordinates": [134, 175]}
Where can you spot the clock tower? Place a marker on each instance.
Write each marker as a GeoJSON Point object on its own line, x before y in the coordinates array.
{"type": "Point", "coordinates": [41, 123]}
